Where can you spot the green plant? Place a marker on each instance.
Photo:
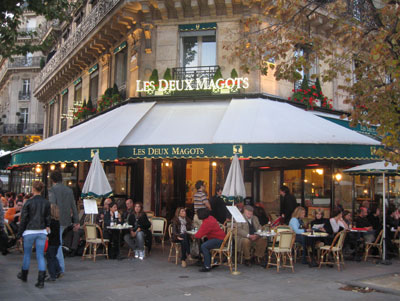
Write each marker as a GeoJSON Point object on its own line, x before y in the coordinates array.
{"type": "Point", "coordinates": [167, 74]}
{"type": "Point", "coordinates": [217, 74]}
{"type": "Point", "coordinates": [110, 98]}
{"type": "Point", "coordinates": [311, 95]}
{"type": "Point", "coordinates": [18, 113]}
{"type": "Point", "coordinates": [115, 89]}
{"type": "Point", "coordinates": [234, 73]}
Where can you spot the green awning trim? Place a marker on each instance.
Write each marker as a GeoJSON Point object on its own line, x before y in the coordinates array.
{"type": "Point", "coordinates": [93, 195]}
{"type": "Point", "coordinates": [120, 47]}
{"type": "Point", "coordinates": [77, 81]}
{"type": "Point", "coordinates": [368, 131]}
{"type": "Point", "coordinates": [52, 101]}
{"type": "Point", "coordinates": [254, 151]}
{"type": "Point", "coordinates": [198, 26]}
{"type": "Point", "coordinates": [64, 91]}
{"type": "Point", "coordinates": [94, 68]}
{"type": "Point", "coordinates": [63, 155]}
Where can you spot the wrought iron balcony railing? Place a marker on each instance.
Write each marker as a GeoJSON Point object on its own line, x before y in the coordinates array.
{"type": "Point", "coordinates": [24, 95]}
{"type": "Point", "coordinates": [22, 128]}
{"type": "Point", "coordinates": [20, 62]}
{"type": "Point", "coordinates": [194, 73]}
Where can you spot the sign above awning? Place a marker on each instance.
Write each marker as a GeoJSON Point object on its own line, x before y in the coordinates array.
{"type": "Point", "coordinates": [250, 128]}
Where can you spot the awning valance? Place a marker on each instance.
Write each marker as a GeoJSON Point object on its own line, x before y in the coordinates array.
{"type": "Point", "coordinates": [251, 128]}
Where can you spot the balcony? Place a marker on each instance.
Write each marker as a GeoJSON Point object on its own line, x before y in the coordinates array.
{"type": "Point", "coordinates": [27, 33]}
{"type": "Point", "coordinates": [24, 95]}
{"type": "Point", "coordinates": [17, 64]}
{"type": "Point", "coordinates": [46, 29]}
{"type": "Point", "coordinates": [22, 128]}
{"type": "Point", "coordinates": [194, 73]}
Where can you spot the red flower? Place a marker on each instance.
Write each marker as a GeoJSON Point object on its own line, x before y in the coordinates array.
{"type": "Point", "coordinates": [289, 98]}
{"type": "Point", "coordinates": [314, 87]}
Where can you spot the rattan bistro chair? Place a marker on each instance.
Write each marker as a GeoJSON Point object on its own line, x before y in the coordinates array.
{"type": "Point", "coordinates": [159, 228]}
{"type": "Point", "coordinates": [282, 250]}
{"type": "Point", "coordinates": [335, 248]}
{"type": "Point", "coordinates": [223, 251]}
{"type": "Point", "coordinates": [92, 240]}
{"type": "Point", "coordinates": [376, 244]}
{"type": "Point", "coordinates": [174, 246]}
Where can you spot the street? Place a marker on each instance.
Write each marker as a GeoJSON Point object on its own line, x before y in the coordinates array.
{"type": "Point", "coordinates": [156, 279]}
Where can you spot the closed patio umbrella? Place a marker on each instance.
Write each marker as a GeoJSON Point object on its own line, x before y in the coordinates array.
{"type": "Point", "coordinates": [234, 185]}
{"type": "Point", "coordinates": [377, 168]}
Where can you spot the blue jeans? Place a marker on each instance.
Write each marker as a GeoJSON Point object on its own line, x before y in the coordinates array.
{"type": "Point", "coordinates": [206, 247]}
{"type": "Point", "coordinates": [60, 255]}
{"type": "Point", "coordinates": [40, 241]}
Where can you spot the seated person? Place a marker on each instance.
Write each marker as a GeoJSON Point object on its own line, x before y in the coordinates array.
{"type": "Point", "coordinates": [347, 219]}
{"type": "Point", "coordinates": [248, 238]}
{"type": "Point", "coordinates": [72, 235]}
{"type": "Point", "coordinates": [336, 223]}
{"type": "Point", "coordinates": [129, 210]}
{"type": "Point", "coordinates": [103, 212]}
{"type": "Point", "coordinates": [319, 222]}
{"type": "Point", "coordinates": [215, 235]}
{"type": "Point", "coordinates": [139, 232]}
{"type": "Point", "coordinates": [180, 224]}
{"type": "Point", "coordinates": [361, 221]}
{"type": "Point", "coordinates": [13, 216]}
{"type": "Point", "coordinates": [374, 218]}
{"type": "Point", "coordinates": [393, 222]}
{"type": "Point", "coordinates": [297, 224]}
{"type": "Point", "coordinates": [261, 215]}
{"type": "Point", "coordinates": [112, 217]}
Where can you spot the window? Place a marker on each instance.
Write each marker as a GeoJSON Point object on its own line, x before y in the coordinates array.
{"type": "Point", "coordinates": [28, 59]}
{"type": "Point", "coordinates": [199, 50]}
{"type": "Point", "coordinates": [77, 97]}
{"type": "Point", "coordinates": [51, 119]}
{"type": "Point", "coordinates": [26, 86]}
{"type": "Point", "coordinates": [64, 112]}
{"type": "Point", "coordinates": [24, 117]}
{"type": "Point", "coordinates": [121, 67]}
{"type": "Point", "coordinates": [94, 87]}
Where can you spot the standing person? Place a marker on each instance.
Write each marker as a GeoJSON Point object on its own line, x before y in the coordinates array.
{"type": "Point", "coordinates": [218, 206]}
{"type": "Point", "coordinates": [200, 201]}
{"type": "Point", "coordinates": [288, 203]}
{"type": "Point", "coordinates": [3, 235]}
{"type": "Point", "coordinates": [54, 243]}
{"type": "Point", "coordinates": [180, 224]}
{"type": "Point", "coordinates": [215, 235]}
{"type": "Point", "coordinates": [34, 227]}
{"type": "Point", "coordinates": [63, 197]}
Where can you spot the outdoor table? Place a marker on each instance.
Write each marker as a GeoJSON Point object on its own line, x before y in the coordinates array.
{"type": "Point", "coordinates": [119, 228]}
{"type": "Point", "coordinates": [360, 230]}
{"type": "Point", "coordinates": [265, 234]}
{"type": "Point", "coordinates": [315, 234]}
{"type": "Point", "coordinates": [191, 232]}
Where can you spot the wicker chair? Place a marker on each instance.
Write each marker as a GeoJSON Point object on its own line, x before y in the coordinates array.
{"type": "Point", "coordinates": [282, 249]}
{"type": "Point", "coordinates": [159, 228]}
{"type": "Point", "coordinates": [92, 240]}
{"type": "Point", "coordinates": [376, 244]}
{"type": "Point", "coordinates": [335, 248]}
{"type": "Point", "coordinates": [12, 236]}
{"type": "Point", "coordinates": [174, 246]}
{"type": "Point", "coordinates": [224, 250]}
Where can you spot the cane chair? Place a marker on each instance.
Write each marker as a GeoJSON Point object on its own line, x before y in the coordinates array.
{"type": "Point", "coordinates": [225, 250]}
{"type": "Point", "coordinates": [376, 244]}
{"type": "Point", "coordinates": [174, 246]}
{"type": "Point", "coordinates": [159, 228]}
{"type": "Point", "coordinates": [282, 250]}
{"type": "Point", "coordinates": [336, 249]}
{"type": "Point", "coordinates": [93, 241]}
{"type": "Point", "coordinates": [396, 240]}
{"type": "Point", "coordinates": [150, 214]}
{"type": "Point", "coordinates": [12, 237]}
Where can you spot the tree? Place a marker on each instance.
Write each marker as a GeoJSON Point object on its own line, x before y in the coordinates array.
{"type": "Point", "coordinates": [11, 18]}
{"type": "Point", "coordinates": [356, 42]}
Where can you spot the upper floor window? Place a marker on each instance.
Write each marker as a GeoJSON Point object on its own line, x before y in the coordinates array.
{"type": "Point", "coordinates": [24, 116]}
{"type": "Point", "coordinates": [26, 86]}
{"type": "Point", "coordinates": [64, 111]}
{"type": "Point", "coordinates": [198, 45]}
{"type": "Point", "coordinates": [121, 65]}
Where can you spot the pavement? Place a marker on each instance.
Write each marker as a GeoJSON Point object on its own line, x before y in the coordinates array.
{"type": "Point", "coordinates": [157, 279]}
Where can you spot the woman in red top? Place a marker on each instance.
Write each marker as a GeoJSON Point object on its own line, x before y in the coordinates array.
{"type": "Point", "coordinates": [215, 235]}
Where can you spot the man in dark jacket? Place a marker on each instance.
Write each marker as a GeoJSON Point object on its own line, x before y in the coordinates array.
{"type": "Point", "coordinates": [218, 206]}
{"type": "Point", "coordinates": [288, 203]}
{"type": "Point", "coordinates": [63, 197]}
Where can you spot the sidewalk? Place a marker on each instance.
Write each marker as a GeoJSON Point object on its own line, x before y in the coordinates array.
{"type": "Point", "coordinates": [156, 279]}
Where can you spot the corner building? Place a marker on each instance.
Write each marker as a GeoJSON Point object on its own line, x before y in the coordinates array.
{"type": "Point", "coordinates": [185, 124]}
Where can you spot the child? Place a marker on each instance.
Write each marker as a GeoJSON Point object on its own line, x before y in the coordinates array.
{"type": "Point", "coordinates": [54, 242]}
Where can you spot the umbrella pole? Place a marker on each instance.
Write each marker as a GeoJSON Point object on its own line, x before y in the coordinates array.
{"type": "Point", "coordinates": [235, 272]}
